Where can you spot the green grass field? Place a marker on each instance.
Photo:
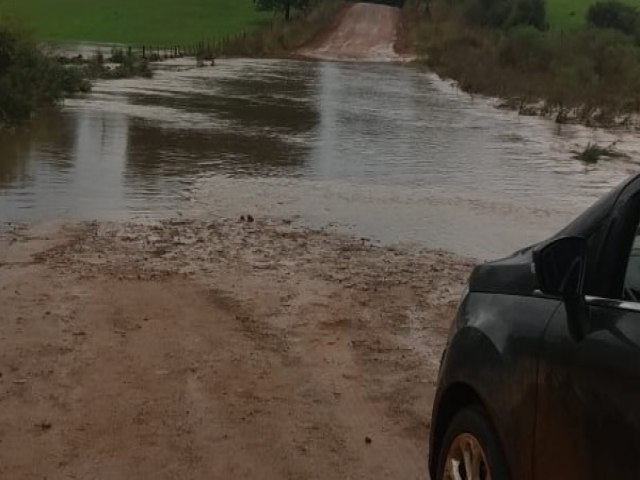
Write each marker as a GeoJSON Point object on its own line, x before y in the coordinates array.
{"type": "Point", "coordinates": [159, 22]}
{"type": "Point", "coordinates": [570, 14]}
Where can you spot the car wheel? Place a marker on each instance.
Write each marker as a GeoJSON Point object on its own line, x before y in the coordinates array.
{"type": "Point", "coordinates": [471, 450]}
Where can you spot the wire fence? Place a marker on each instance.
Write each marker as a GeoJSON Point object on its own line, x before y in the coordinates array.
{"type": "Point", "coordinates": [204, 49]}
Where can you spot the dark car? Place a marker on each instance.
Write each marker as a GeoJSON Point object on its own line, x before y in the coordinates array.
{"type": "Point", "coordinates": [541, 375]}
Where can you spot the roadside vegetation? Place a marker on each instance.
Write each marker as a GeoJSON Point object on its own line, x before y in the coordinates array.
{"type": "Point", "coordinates": [30, 80]}
{"type": "Point", "coordinates": [122, 63]}
{"type": "Point", "coordinates": [285, 6]}
{"type": "Point", "coordinates": [592, 153]}
{"type": "Point", "coordinates": [506, 48]}
{"type": "Point", "coordinates": [282, 36]}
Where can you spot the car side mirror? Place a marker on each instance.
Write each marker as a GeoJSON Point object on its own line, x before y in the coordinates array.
{"type": "Point", "coordinates": [560, 268]}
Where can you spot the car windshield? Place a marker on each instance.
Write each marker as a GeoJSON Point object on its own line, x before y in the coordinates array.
{"type": "Point", "coordinates": [590, 220]}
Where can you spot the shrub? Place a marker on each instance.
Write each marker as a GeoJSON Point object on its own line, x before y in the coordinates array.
{"type": "Point", "coordinates": [526, 49]}
{"type": "Point", "coordinates": [615, 15]}
{"type": "Point", "coordinates": [492, 13]}
{"type": "Point", "coordinates": [126, 66]}
{"type": "Point", "coordinates": [117, 55]}
{"type": "Point", "coordinates": [528, 12]}
{"type": "Point", "coordinates": [29, 79]}
{"type": "Point", "coordinates": [591, 74]}
{"type": "Point", "coordinates": [593, 152]}
{"type": "Point", "coordinates": [504, 13]}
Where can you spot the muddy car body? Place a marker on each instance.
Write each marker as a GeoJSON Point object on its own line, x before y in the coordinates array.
{"type": "Point", "coordinates": [541, 375]}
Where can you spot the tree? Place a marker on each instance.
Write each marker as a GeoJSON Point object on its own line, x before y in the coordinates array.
{"type": "Point", "coordinates": [528, 12]}
{"type": "Point", "coordinates": [616, 15]}
{"type": "Point", "coordinates": [504, 13]}
{"type": "Point", "coordinates": [29, 79]}
{"type": "Point", "coordinates": [280, 6]}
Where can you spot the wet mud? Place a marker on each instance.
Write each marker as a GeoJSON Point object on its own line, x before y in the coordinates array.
{"type": "Point", "coordinates": [220, 349]}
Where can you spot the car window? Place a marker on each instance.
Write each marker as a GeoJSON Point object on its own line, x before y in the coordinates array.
{"type": "Point", "coordinates": [631, 289]}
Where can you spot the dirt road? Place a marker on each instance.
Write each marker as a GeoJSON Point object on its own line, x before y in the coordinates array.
{"type": "Point", "coordinates": [362, 32]}
{"type": "Point", "coordinates": [193, 350]}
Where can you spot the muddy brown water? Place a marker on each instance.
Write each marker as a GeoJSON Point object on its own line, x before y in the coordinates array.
{"type": "Point", "coordinates": [385, 151]}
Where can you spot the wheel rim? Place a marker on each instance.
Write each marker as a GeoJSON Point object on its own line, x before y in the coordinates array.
{"type": "Point", "coordinates": [466, 460]}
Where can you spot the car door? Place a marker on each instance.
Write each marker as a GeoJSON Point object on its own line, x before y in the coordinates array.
{"type": "Point", "coordinates": [588, 411]}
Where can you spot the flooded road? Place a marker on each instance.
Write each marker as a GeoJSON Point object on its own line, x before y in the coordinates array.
{"type": "Point", "coordinates": [385, 151]}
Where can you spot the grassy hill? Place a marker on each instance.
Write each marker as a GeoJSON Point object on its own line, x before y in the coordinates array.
{"type": "Point", "coordinates": [162, 22]}
{"type": "Point", "coordinates": [568, 14]}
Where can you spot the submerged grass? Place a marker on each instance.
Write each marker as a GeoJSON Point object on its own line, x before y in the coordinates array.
{"type": "Point", "coordinates": [121, 64]}
{"type": "Point", "coordinates": [593, 153]}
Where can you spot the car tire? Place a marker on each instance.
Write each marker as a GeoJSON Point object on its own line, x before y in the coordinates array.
{"type": "Point", "coordinates": [470, 435]}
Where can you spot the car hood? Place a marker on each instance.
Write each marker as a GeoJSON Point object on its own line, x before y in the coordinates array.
{"type": "Point", "coordinates": [515, 274]}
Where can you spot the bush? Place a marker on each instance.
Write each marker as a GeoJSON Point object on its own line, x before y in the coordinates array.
{"type": "Point", "coordinates": [504, 13]}
{"type": "Point", "coordinates": [615, 15]}
{"type": "Point", "coordinates": [526, 49]}
{"type": "Point", "coordinates": [492, 13]}
{"type": "Point", "coordinates": [117, 55]}
{"type": "Point", "coordinates": [528, 12]}
{"type": "Point", "coordinates": [591, 74]}
{"type": "Point", "coordinates": [593, 152]}
{"type": "Point", "coordinates": [29, 79]}
{"type": "Point", "coordinates": [123, 65]}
